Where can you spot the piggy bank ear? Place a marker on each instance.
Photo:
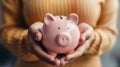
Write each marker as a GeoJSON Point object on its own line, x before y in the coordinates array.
{"type": "Point", "coordinates": [48, 18]}
{"type": "Point", "coordinates": [73, 17]}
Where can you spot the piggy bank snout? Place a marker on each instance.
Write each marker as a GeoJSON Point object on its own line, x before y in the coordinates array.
{"type": "Point", "coordinates": [64, 38]}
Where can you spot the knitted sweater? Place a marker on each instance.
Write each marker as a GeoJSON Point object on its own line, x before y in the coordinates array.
{"type": "Point", "coordinates": [18, 15]}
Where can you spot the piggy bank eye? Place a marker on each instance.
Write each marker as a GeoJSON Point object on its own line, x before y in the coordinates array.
{"type": "Point", "coordinates": [68, 27]}
{"type": "Point", "coordinates": [58, 27]}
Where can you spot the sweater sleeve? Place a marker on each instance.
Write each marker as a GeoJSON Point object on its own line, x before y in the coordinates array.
{"type": "Point", "coordinates": [105, 32]}
{"type": "Point", "coordinates": [13, 31]}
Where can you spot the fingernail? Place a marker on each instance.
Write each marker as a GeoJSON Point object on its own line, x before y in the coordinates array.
{"type": "Point", "coordinates": [38, 36]}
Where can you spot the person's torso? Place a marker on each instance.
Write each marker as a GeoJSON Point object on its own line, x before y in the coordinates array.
{"type": "Point", "coordinates": [87, 10]}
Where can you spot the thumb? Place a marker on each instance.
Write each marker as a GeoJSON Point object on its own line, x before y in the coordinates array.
{"type": "Point", "coordinates": [38, 36]}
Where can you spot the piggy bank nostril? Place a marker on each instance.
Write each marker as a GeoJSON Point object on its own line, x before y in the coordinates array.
{"type": "Point", "coordinates": [63, 39]}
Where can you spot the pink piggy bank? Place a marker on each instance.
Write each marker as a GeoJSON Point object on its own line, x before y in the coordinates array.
{"type": "Point", "coordinates": [60, 34]}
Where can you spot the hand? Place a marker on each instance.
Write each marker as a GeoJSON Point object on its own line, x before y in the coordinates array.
{"type": "Point", "coordinates": [86, 31]}
{"type": "Point", "coordinates": [78, 52]}
{"type": "Point", "coordinates": [34, 38]}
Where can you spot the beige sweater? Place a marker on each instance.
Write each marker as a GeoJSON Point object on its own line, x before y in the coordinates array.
{"type": "Point", "coordinates": [18, 15]}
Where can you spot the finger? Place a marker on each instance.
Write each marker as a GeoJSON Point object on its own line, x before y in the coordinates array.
{"type": "Point", "coordinates": [38, 36]}
{"type": "Point", "coordinates": [83, 27]}
{"type": "Point", "coordinates": [86, 29]}
{"type": "Point", "coordinates": [45, 59]}
{"type": "Point", "coordinates": [35, 28]}
{"type": "Point", "coordinates": [88, 33]}
{"type": "Point", "coordinates": [82, 40]}
{"type": "Point", "coordinates": [73, 56]}
{"type": "Point", "coordinates": [42, 53]}
{"type": "Point", "coordinates": [57, 62]}
{"type": "Point", "coordinates": [63, 61]}
{"type": "Point", "coordinates": [79, 51]}
{"type": "Point", "coordinates": [38, 50]}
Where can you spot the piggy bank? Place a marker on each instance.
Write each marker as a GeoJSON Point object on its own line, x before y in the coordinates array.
{"type": "Point", "coordinates": [60, 33]}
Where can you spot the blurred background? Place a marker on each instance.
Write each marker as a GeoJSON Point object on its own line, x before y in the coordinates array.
{"type": "Point", "coordinates": [109, 59]}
